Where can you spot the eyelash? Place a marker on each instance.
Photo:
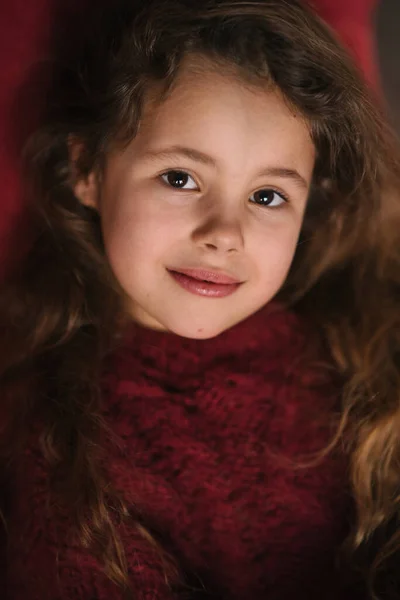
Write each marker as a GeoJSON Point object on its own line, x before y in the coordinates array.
{"type": "Point", "coordinates": [165, 175]}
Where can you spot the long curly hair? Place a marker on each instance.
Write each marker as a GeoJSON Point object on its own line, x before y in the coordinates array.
{"type": "Point", "coordinates": [61, 309]}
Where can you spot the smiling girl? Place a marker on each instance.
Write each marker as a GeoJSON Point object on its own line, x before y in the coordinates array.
{"type": "Point", "coordinates": [207, 310]}
{"type": "Point", "coordinates": [196, 210]}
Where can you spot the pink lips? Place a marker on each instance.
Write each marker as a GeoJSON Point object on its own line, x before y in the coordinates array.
{"type": "Point", "coordinates": [201, 282]}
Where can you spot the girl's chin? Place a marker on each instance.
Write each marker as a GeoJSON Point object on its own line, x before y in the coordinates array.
{"type": "Point", "coordinates": [191, 325]}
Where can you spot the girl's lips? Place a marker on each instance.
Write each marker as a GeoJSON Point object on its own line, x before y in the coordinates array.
{"type": "Point", "coordinates": [205, 283]}
{"type": "Point", "coordinates": [208, 275]}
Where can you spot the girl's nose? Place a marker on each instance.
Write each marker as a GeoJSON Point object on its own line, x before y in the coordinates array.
{"type": "Point", "coordinates": [220, 234]}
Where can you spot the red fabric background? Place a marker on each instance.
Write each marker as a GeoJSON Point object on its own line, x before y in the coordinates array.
{"type": "Point", "coordinates": [24, 40]}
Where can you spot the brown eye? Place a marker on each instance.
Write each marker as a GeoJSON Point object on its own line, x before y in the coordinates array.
{"type": "Point", "coordinates": [179, 180]}
{"type": "Point", "coordinates": [268, 197]}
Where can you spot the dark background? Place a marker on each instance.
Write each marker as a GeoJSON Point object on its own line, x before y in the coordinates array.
{"type": "Point", "coordinates": [387, 27]}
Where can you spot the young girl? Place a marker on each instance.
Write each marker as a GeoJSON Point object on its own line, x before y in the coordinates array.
{"type": "Point", "coordinates": [170, 430]}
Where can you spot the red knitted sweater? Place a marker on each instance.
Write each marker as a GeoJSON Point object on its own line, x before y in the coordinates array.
{"type": "Point", "coordinates": [206, 434]}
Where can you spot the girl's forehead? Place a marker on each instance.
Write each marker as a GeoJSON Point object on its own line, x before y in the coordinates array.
{"type": "Point", "coordinates": [210, 105]}
{"type": "Point", "coordinates": [196, 93]}
{"type": "Point", "coordinates": [221, 122]}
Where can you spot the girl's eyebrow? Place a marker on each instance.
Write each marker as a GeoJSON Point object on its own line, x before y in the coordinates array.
{"type": "Point", "coordinates": [205, 159]}
{"type": "Point", "coordinates": [182, 151]}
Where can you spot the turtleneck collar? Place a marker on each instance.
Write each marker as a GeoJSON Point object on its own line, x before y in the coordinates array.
{"type": "Point", "coordinates": [181, 363]}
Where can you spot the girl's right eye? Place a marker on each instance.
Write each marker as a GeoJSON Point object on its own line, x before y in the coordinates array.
{"type": "Point", "coordinates": [179, 180]}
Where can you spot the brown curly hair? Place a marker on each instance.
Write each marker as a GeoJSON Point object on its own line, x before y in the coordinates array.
{"type": "Point", "coordinates": [61, 310]}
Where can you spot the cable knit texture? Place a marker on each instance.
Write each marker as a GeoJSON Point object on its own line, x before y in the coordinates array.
{"type": "Point", "coordinates": [206, 433]}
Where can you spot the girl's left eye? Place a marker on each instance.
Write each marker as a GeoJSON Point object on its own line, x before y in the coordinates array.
{"type": "Point", "coordinates": [179, 180]}
{"type": "Point", "coordinates": [268, 197]}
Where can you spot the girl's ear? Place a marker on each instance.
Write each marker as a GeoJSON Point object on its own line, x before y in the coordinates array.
{"type": "Point", "coordinates": [84, 186]}
{"type": "Point", "coordinates": [86, 190]}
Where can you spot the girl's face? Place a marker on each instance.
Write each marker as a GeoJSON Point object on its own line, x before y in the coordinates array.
{"type": "Point", "coordinates": [214, 188]}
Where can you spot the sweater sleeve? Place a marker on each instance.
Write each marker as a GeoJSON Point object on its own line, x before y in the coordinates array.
{"type": "Point", "coordinates": [42, 564]}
